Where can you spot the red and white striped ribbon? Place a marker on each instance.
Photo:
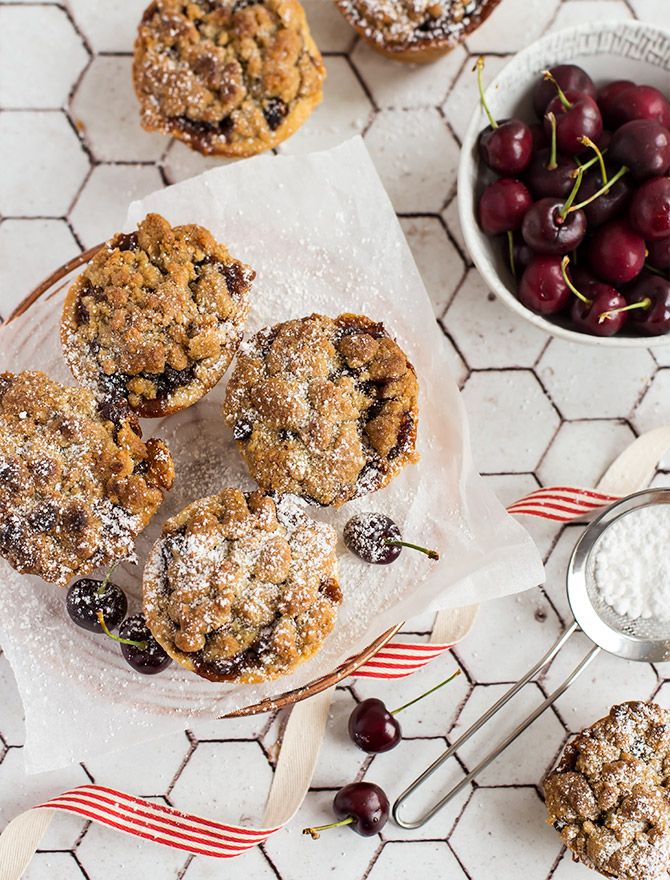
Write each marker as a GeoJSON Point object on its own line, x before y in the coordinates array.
{"type": "Point", "coordinates": [173, 828]}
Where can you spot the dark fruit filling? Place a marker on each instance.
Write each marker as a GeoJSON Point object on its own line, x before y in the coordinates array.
{"type": "Point", "coordinates": [275, 112]}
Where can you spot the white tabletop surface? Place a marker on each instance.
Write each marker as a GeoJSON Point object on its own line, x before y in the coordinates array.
{"type": "Point", "coordinates": [542, 412]}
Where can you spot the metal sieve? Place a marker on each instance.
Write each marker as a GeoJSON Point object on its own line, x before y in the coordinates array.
{"type": "Point", "coordinates": [639, 639]}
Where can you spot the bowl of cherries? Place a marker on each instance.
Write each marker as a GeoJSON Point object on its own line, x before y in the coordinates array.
{"type": "Point", "coordinates": [564, 184]}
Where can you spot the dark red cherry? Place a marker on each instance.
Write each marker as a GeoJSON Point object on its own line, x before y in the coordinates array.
{"type": "Point", "coordinates": [503, 205]}
{"type": "Point", "coordinates": [594, 317]}
{"type": "Point", "coordinates": [366, 804]}
{"type": "Point", "coordinates": [544, 181]}
{"type": "Point", "coordinates": [539, 135]}
{"type": "Point", "coordinates": [87, 596]}
{"type": "Point", "coordinates": [649, 211]}
{"type": "Point", "coordinates": [654, 319]}
{"type": "Point", "coordinates": [641, 102]}
{"type": "Point", "coordinates": [608, 205]}
{"type": "Point", "coordinates": [546, 231]}
{"type": "Point", "coordinates": [507, 148]}
{"type": "Point", "coordinates": [542, 287]}
{"type": "Point", "coordinates": [375, 538]}
{"type": "Point", "coordinates": [568, 76]}
{"type": "Point", "coordinates": [148, 657]}
{"type": "Point", "coordinates": [659, 254]}
{"type": "Point", "coordinates": [580, 118]}
{"type": "Point", "coordinates": [616, 253]}
{"type": "Point", "coordinates": [643, 146]}
{"type": "Point", "coordinates": [373, 728]}
{"type": "Point", "coordinates": [606, 97]}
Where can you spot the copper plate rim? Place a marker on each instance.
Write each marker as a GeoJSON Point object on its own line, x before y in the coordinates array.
{"type": "Point", "coordinates": [282, 700]}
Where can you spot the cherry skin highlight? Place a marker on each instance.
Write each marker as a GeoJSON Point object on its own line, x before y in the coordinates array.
{"type": "Point", "coordinates": [506, 149]}
{"type": "Point", "coordinates": [581, 119]}
{"type": "Point", "coordinates": [593, 317]}
{"type": "Point", "coordinates": [543, 181]}
{"type": "Point", "coordinates": [373, 728]}
{"type": "Point", "coordinates": [655, 319]}
{"type": "Point", "coordinates": [502, 206]}
{"type": "Point", "coordinates": [542, 288]}
{"type": "Point", "coordinates": [546, 232]}
{"type": "Point", "coordinates": [649, 211]}
{"type": "Point", "coordinates": [643, 146]}
{"type": "Point", "coordinates": [641, 102]}
{"type": "Point", "coordinates": [570, 77]}
{"type": "Point", "coordinates": [366, 803]}
{"type": "Point", "coordinates": [606, 98]}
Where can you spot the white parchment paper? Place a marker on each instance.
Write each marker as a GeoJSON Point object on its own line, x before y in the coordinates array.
{"type": "Point", "coordinates": [323, 237]}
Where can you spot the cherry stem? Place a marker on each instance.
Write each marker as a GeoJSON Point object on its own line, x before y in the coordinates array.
{"type": "Point", "coordinates": [585, 165]}
{"type": "Point", "coordinates": [645, 303]}
{"type": "Point", "coordinates": [437, 687]}
{"type": "Point", "coordinates": [431, 554]}
{"type": "Point", "coordinates": [603, 189]}
{"type": "Point", "coordinates": [479, 66]}
{"type": "Point", "coordinates": [510, 241]}
{"type": "Point", "coordinates": [315, 831]}
{"type": "Point", "coordinates": [564, 265]}
{"type": "Point", "coordinates": [561, 93]}
{"type": "Point", "coordinates": [138, 644]}
{"type": "Point", "coordinates": [552, 164]}
{"type": "Point", "coordinates": [103, 585]}
{"type": "Point", "coordinates": [599, 156]}
{"type": "Point", "coordinates": [651, 269]}
{"type": "Point", "coordinates": [563, 213]}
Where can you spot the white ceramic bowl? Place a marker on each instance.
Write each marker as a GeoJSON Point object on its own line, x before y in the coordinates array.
{"type": "Point", "coordinates": [606, 50]}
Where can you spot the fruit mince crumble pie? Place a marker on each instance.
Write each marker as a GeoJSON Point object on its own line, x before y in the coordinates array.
{"type": "Point", "coordinates": [415, 30]}
{"type": "Point", "coordinates": [77, 484]}
{"type": "Point", "coordinates": [156, 316]}
{"type": "Point", "coordinates": [241, 589]}
{"type": "Point", "coordinates": [323, 408]}
{"type": "Point", "coordinates": [609, 797]}
{"type": "Point", "coordinates": [227, 77]}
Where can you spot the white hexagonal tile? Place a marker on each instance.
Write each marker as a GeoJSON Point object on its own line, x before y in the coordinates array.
{"type": "Point", "coordinates": [339, 759]}
{"type": "Point", "coordinates": [463, 99]}
{"type": "Point", "coordinates": [511, 420]}
{"type": "Point", "coordinates": [487, 332]}
{"type": "Point", "coordinates": [428, 858]}
{"type": "Point", "coordinates": [512, 487]}
{"type": "Point", "coordinates": [512, 25]}
{"type": "Point", "coordinates": [529, 757]}
{"type": "Point", "coordinates": [651, 11]}
{"type": "Point", "coordinates": [396, 770]}
{"type": "Point", "coordinates": [180, 162]}
{"type": "Point", "coordinates": [662, 696]}
{"type": "Point", "coordinates": [574, 12]}
{"type": "Point", "coordinates": [569, 870]}
{"type": "Point", "coordinates": [606, 681]}
{"type": "Point", "coordinates": [51, 244]}
{"type": "Point", "coordinates": [452, 219]}
{"type": "Point", "coordinates": [19, 792]}
{"type": "Point", "coordinates": [107, 854]}
{"type": "Point", "coordinates": [458, 367]}
{"type": "Point", "coordinates": [431, 716]}
{"type": "Point", "coordinates": [581, 452]}
{"type": "Point", "coordinates": [339, 852]}
{"type": "Point", "coordinates": [343, 113]}
{"type": "Point", "coordinates": [12, 721]}
{"type": "Point", "coordinates": [48, 865]}
{"type": "Point", "coordinates": [556, 568]}
{"type": "Point", "coordinates": [406, 85]}
{"type": "Point", "coordinates": [235, 793]}
{"type": "Point", "coordinates": [101, 206]}
{"type": "Point", "coordinates": [34, 181]}
{"type": "Point", "coordinates": [329, 28]}
{"type": "Point", "coordinates": [526, 622]}
{"type": "Point", "coordinates": [31, 73]}
{"type": "Point", "coordinates": [416, 157]}
{"type": "Point", "coordinates": [654, 408]}
{"type": "Point", "coordinates": [63, 832]}
{"type": "Point", "coordinates": [516, 842]}
{"type": "Point", "coordinates": [661, 355]}
{"type": "Point", "coordinates": [110, 26]}
{"type": "Point", "coordinates": [251, 864]}
{"type": "Point", "coordinates": [438, 260]}
{"type": "Point", "coordinates": [586, 382]}
{"type": "Point", "coordinates": [146, 769]}
{"type": "Point", "coordinates": [111, 126]}
{"type": "Point", "coordinates": [244, 727]}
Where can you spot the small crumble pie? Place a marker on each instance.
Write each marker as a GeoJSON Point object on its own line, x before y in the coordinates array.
{"type": "Point", "coordinates": [77, 484]}
{"type": "Point", "coordinates": [415, 30]}
{"type": "Point", "coordinates": [227, 77]}
{"type": "Point", "coordinates": [241, 589]}
{"type": "Point", "coordinates": [323, 408]}
{"type": "Point", "coordinates": [156, 317]}
{"type": "Point", "coordinates": [609, 797]}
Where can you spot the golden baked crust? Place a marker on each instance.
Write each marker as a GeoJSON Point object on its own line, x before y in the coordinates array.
{"type": "Point", "coordinates": [415, 30]}
{"type": "Point", "coordinates": [227, 77]}
{"type": "Point", "coordinates": [156, 316]}
{"type": "Point", "coordinates": [237, 589]}
{"type": "Point", "coordinates": [77, 484]}
{"type": "Point", "coordinates": [609, 797]}
{"type": "Point", "coordinates": [323, 408]}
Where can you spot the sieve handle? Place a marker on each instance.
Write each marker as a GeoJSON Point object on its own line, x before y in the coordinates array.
{"type": "Point", "coordinates": [551, 653]}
